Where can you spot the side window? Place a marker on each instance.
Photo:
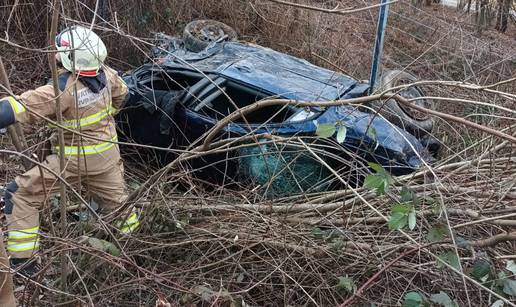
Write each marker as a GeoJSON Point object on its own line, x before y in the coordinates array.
{"type": "Point", "coordinates": [218, 97]}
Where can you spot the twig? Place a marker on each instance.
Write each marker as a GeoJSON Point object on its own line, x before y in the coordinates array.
{"type": "Point", "coordinates": [373, 278]}
{"type": "Point", "coordinates": [59, 118]}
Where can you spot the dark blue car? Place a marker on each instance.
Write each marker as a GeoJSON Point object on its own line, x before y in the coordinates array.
{"type": "Point", "coordinates": [193, 83]}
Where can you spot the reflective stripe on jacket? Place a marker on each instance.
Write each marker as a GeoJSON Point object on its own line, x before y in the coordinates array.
{"type": "Point", "coordinates": [90, 113]}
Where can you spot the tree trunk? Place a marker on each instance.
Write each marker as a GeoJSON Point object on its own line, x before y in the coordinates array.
{"type": "Point", "coordinates": [502, 15]}
{"type": "Point", "coordinates": [481, 15]}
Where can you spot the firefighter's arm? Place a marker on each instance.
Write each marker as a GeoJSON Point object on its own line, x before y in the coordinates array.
{"type": "Point", "coordinates": [16, 109]}
{"type": "Point", "coordinates": [118, 90]}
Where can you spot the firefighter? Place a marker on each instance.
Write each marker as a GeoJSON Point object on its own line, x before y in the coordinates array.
{"type": "Point", "coordinates": [88, 103]}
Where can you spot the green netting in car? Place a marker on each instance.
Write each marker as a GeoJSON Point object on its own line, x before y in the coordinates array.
{"type": "Point", "coordinates": [282, 170]}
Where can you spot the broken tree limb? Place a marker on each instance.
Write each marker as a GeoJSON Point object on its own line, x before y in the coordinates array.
{"type": "Point", "coordinates": [358, 100]}
{"type": "Point", "coordinates": [499, 238]}
{"type": "Point", "coordinates": [15, 131]}
{"type": "Point", "coordinates": [456, 119]}
{"type": "Point", "coordinates": [334, 10]}
{"type": "Point", "coordinates": [280, 102]}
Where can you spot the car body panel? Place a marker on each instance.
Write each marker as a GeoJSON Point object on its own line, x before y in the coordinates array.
{"type": "Point", "coordinates": [156, 122]}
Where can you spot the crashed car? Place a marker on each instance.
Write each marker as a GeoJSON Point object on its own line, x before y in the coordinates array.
{"type": "Point", "coordinates": [194, 81]}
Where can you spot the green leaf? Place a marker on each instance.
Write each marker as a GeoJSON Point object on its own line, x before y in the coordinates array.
{"type": "Point", "coordinates": [481, 269]}
{"type": "Point", "coordinates": [398, 221]}
{"type": "Point", "coordinates": [373, 181]}
{"type": "Point", "coordinates": [380, 181]}
{"type": "Point", "coordinates": [442, 299]}
{"type": "Point", "coordinates": [346, 283]}
{"type": "Point", "coordinates": [376, 167]}
{"type": "Point", "coordinates": [412, 299]}
{"type": "Point", "coordinates": [371, 133]}
{"type": "Point", "coordinates": [412, 219]}
{"type": "Point", "coordinates": [511, 266]}
{"type": "Point", "coordinates": [437, 233]}
{"type": "Point", "coordinates": [317, 233]}
{"type": "Point", "coordinates": [382, 188]}
{"type": "Point", "coordinates": [400, 216]}
{"type": "Point", "coordinates": [401, 208]}
{"type": "Point", "coordinates": [449, 258]}
{"type": "Point", "coordinates": [376, 182]}
{"type": "Point", "coordinates": [341, 134]}
{"type": "Point", "coordinates": [104, 246]}
{"type": "Point", "coordinates": [500, 281]}
{"type": "Point", "coordinates": [407, 195]}
{"type": "Point", "coordinates": [325, 130]}
{"type": "Point", "coordinates": [509, 287]}
{"type": "Point", "coordinates": [96, 243]}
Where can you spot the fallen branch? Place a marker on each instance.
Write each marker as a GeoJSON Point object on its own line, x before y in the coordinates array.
{"type": "Point", "coordinates": [456, 119]}
{"type": "Point", "coordinates": [492, 241]}
{"type": "Point", "coordinates": [334, 10]}
{"type": "Point", "coordinates": [359, 100]}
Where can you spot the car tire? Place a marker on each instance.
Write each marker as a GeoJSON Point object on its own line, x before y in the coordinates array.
{"type": "Point", "coordinates": [198, 34]}
{"type": "Point", "coordinates": [417, 123]}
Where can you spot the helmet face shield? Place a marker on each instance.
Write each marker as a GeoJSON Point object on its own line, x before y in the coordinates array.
{"type": "Point", "coordinates": [59, 38]}
{"type": "Point", "coordinates": [59, 42]}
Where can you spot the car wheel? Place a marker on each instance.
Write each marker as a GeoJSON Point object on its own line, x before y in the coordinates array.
{"type": "Point", "coordinates": [415, 122]}
{"type": "Point", "coordinates": [198, 34]}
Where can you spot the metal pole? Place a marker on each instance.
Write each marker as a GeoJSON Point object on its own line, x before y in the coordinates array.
{"type": "Point", "coordinates": [378, 44]}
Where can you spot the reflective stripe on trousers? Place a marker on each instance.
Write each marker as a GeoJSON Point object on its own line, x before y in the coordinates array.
{"type": "Point", "coordinates": [22, 240]}
{"type": "Point", "coordinates": [24, 233]}
{"type": "Point", "coordinates": [130, 224]}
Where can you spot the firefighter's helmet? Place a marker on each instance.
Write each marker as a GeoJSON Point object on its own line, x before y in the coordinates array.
{"type": "Point", "coordinates": [89, 52]}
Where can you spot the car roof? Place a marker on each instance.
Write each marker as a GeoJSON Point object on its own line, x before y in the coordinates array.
{"type": "Point", "coordinates": [259, 67]}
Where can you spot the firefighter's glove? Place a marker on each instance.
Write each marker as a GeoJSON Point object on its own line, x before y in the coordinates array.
{"type": "Point", "coordinates": [6, 113]}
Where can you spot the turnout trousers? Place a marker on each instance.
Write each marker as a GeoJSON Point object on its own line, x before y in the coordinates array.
{"type": "Point", "coordinates": [101, 174]}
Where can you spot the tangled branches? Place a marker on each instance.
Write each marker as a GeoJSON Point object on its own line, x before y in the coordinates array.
{"type": "Point", "coordinates": [205, 244]}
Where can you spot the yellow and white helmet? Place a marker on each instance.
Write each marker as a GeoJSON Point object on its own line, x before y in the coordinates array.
{"type": "Point", "coordinates": [89, 50]}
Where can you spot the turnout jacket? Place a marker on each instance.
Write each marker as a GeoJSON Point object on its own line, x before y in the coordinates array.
{"type": "Point", "coordinates": [90, 113]}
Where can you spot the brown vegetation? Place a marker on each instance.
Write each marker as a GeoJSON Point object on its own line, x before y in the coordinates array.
{"type": "Point", "coordinates": [208, 245]}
